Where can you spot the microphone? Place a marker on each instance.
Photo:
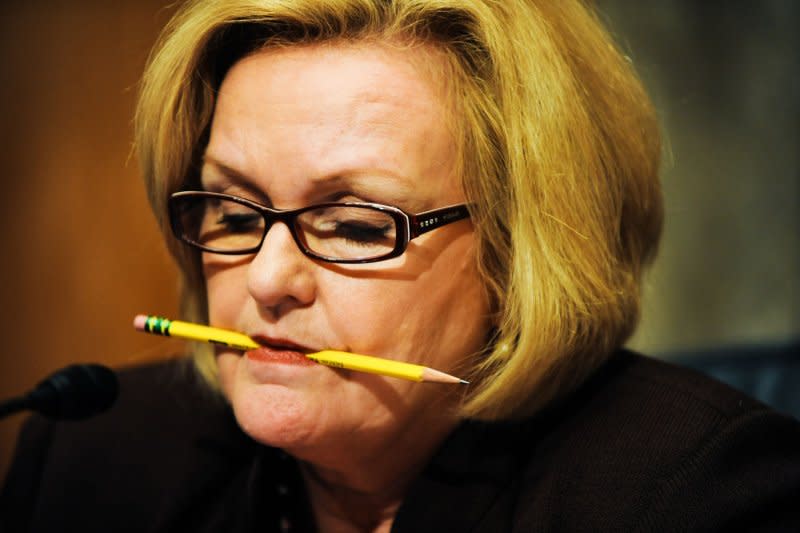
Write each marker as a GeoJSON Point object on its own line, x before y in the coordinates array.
{"type": "Point", "coordinates": [72, 393]}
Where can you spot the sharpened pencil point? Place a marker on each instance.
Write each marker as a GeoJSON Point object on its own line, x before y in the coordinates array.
{"type": "Point", "coordinates": [463, 382]}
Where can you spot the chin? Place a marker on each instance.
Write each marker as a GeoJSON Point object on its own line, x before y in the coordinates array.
{"type": "Point", "coordinates": [272, 414]}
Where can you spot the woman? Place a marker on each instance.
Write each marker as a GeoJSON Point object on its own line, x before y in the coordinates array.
{"type": "Point", "coordinates": [287, 145]}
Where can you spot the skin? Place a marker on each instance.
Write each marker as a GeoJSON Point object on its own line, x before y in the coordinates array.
{"type": "Point", "coordinates": [350, 122]}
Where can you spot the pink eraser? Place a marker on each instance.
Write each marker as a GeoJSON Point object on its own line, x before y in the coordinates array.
{"type": "Point", "coordinates": [139, 322]}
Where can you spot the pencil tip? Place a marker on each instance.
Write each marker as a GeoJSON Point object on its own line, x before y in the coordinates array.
{"type": "Point", "coordinates": [463, 381]}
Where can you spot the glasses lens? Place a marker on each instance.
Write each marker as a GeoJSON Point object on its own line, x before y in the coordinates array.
{"type": "Point", "coordinates": [347, 232]}
{"type": "Point", "coordinates": [218, 224]}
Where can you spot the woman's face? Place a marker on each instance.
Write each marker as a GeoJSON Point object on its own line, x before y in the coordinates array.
{"type": "Point", "coordinates": [342, 122]}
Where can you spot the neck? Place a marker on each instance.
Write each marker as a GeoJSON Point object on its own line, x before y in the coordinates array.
{"type": "Point", "coordinates": [364, 492]}
{"type": "Point", "coordinates": [342, 508]}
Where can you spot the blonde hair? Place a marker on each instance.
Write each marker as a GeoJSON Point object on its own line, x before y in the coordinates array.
{"type": "Point", "coordinates": [559, 151]}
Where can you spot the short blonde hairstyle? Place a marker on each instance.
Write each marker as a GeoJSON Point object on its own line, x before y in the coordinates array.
{"type": "Point", "coordinates": [559, 156]}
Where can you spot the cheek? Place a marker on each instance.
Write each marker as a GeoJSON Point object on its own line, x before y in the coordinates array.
{"type": "Point", "coordinates": [443, 311]}
{"type": "Point", "coordinates": [227, 291]}
{"type": "Point", "coordinates": [357, 310]}
{"type": "Point", "coordinates": [227, 365]}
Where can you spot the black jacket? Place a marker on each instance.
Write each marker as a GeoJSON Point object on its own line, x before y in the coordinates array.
{"type": "Point", "coordinates": [642, 446]}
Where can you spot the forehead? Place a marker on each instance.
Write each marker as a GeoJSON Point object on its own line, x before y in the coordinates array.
{"type": "Point", "coordinates": [371, 70]}
{"type": "Point", "coordinates": [335, 109]}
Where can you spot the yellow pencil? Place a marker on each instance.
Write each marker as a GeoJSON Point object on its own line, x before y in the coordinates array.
{"type": "Point", "coordinates": [333, 358]}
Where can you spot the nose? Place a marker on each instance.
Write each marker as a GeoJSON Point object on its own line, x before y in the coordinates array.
{"type": "Point", "coordinates": [280, 276]}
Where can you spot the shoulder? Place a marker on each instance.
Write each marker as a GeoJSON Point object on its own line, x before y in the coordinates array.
{"type": "Point", "coordinates": [137, 456]}
{"type": "Point", "coordinates": [646, 444]}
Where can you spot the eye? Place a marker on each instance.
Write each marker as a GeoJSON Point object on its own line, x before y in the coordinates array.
{"type": "Point", "coordinates": [359, 231]}
{"type": "Point", "coordinates": [337, 230]}
{"type": "Point", "coordinates": [239, 222]}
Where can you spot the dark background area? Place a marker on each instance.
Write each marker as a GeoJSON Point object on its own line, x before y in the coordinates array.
{"type": "Point", "coordinates": [81, 254]}
{"type": "Point", "coordinates": [725, 77]}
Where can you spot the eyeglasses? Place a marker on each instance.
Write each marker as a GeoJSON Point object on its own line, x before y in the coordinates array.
{"type": "Point", "coordinates": [334, 232]}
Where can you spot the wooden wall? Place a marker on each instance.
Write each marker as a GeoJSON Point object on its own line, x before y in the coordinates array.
{"type": "Point", "coordinates": [80, 251]}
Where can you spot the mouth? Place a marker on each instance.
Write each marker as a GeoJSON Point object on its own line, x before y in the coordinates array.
{"type": "Point", "coordinates": [279, 351]}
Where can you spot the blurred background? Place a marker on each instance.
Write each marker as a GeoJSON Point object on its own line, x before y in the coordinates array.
{"type": "Point", "coordinates": [81, 254]}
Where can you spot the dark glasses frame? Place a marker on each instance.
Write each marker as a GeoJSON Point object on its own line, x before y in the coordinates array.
{"type": "Point", "coordinates": [409, 226]}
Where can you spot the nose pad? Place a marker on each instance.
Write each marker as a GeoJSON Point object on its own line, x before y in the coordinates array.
{"type": "Point", "coordinates": [280, 274]}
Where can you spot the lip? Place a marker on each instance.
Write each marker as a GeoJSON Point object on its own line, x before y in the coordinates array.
{"type": "Point", "coordinates": [279, 351]}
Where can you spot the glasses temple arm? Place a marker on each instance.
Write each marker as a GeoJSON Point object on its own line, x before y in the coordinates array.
{"type": "Point", "coordinates": [430, 220]}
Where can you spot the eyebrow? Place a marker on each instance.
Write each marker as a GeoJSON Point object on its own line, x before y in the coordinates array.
{"type": "Point", "coordinates": [227, 171]}
{"type": "Point", "coordinates": [339, 185]}
{"type": "Point", "coordinates": [226, 177]}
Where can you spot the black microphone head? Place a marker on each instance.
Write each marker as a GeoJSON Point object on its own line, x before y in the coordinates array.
{"type": "Point", "coordinates": [75, 392]}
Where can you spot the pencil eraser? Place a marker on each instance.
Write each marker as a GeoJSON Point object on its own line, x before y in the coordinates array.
{"type": "Point", "coordinates": [139, 322]}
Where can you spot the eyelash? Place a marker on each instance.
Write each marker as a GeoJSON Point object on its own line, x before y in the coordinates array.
{"type": "Point", "coordinates": [373, 233]}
